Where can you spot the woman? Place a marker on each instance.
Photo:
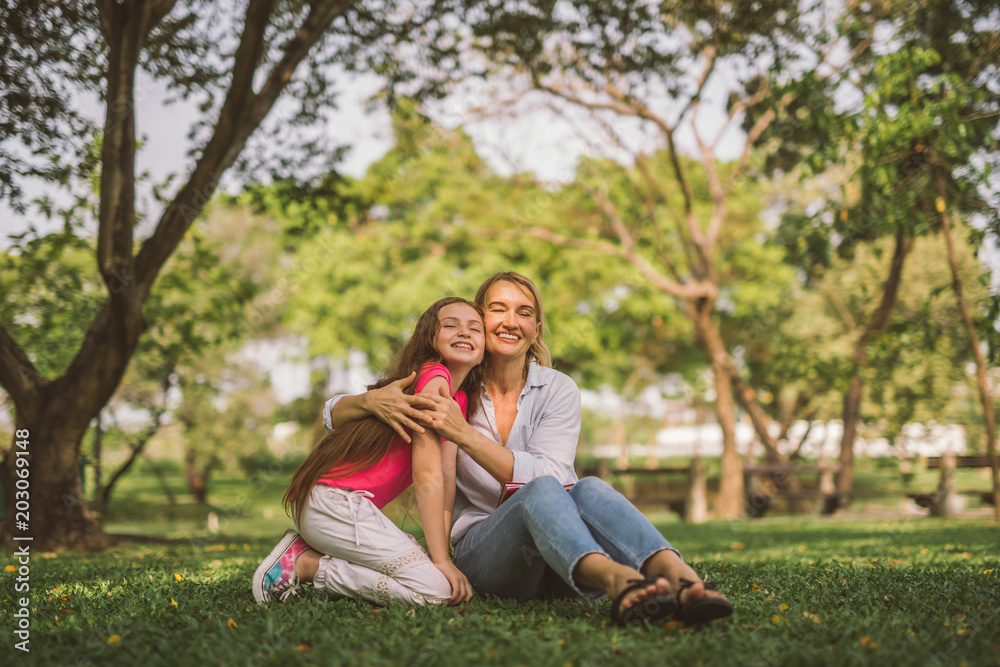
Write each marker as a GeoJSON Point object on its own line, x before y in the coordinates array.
{"type": "Point", "coordinates": [543, 541]}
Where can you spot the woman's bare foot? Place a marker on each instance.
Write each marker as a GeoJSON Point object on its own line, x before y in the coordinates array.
{"type": "Point", "coordinates": [685, 584]}
{"type": "Point", "coordinates": [637, 595]}
{"type": "Point", "coordinates": [648, 601]}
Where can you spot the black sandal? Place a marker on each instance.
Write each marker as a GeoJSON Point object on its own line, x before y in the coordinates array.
{"type": "Point", "coordinates": [653, 608]}
{"type": "Point", "coordinates": [704, 610]}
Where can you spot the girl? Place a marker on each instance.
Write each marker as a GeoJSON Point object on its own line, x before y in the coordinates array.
{"type": "Point", "coordinates": [350, 547]}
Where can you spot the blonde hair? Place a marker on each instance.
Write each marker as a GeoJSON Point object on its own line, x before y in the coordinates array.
{"type": "Point", "coordinates": [538, 351]}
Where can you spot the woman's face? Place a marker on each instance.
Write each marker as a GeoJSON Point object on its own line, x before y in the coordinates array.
{"type": "Point", "coordinates": [511, 321]}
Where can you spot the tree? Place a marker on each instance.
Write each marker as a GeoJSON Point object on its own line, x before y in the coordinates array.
{"type": "Point", "coordinates": [216, 295]}
{"type": "Point", "coordinates": [237, 68]}
{"type": "Point", "coordinates": [924, 114]}
{"type": "Point", "coordinates": [659, 68]}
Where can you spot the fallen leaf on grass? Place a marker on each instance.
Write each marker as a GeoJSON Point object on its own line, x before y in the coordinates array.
{"type": "Point", "coordinates": [736, 546]}
{"type": "Point", "coordinates": [173, 602]}
{"type": "Point", "coordinates": [754, 587]}
{"type": "Point", "coordinates": [11, 568]}
{"type": "Point", "coordinates": [783, 607]}
{"type": "Point", "coordinates": [868, 641]}
{"type": "Point", "coordinates": [775, 619]}
{"type": "Point", "coordinates": [411, 613]}
{"type": "Point", "coordinates": [670, 625]}
{"type": "Point", "coordinates": [812, 617]}
{"type": "Point", "coordinates": [178, 577]}
{"type": "Point", "coordinates": [114, 639]}
{"type": "Point", "coordinates": [231, 623]}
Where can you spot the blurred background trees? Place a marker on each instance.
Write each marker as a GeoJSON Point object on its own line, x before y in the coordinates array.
{"type": "Point", "coordinates": [782, 210]}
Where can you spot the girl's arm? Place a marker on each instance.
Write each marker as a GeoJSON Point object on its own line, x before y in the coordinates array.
{"type": "Point", "coordinates": [428, 484]}
{"type": "Point", "coordinates": [430, 487]}
{"type": "Point", "coordinates": [449, 454]}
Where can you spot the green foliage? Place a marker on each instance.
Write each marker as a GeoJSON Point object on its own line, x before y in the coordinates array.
{"type": "Point", "coordinates": [916, 95]}
{"type": "Point", "coordinates": [917, 369]}
{"type": "Point", "coordinates": [49, 290]}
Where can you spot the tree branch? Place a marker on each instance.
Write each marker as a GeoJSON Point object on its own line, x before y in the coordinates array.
{"type": "Point", "coordinates": [845, 314]}
{"type": "Point", "coordinates": [241, 114]}
{"type": "Point", "coordinates": [686, 292]}
{"type": "Point", "coordinates": [18, 375]}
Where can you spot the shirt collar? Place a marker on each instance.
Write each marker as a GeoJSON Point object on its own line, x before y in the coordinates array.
{"type": "Point", "coordinates": [537, 377]}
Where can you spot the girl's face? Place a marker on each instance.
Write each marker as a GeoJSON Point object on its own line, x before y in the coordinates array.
{"type": "Point", "coordinates": [460, 340]}
{"type": "Point", "coordinates": [511, 320]}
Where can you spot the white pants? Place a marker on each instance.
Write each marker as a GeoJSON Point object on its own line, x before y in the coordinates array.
{"type": "Point", "coordinates": [365, 553]}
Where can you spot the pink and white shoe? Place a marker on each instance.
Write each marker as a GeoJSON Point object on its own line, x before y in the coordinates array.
{"type": "Point", "coordinates": [275, 578]}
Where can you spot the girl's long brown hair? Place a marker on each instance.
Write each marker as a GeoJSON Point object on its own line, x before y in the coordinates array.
{"type": "Point", "coordinates": [359, 445]}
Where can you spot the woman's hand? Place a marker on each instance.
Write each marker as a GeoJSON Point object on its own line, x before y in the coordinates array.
{"type": "Point", "coordinates": [399, 410]}
{"type": "Point", "coordinates": [446, 418]}
{"type": "Point", "coordinates": [461, 589]}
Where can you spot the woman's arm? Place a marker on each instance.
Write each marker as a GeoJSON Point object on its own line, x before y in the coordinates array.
{"type": "Point", "coordinates": [390, 404]}
{"type": "Point", "coordinates": [491, 456]}
{"type": "Point", "coordinates": [550, 450]}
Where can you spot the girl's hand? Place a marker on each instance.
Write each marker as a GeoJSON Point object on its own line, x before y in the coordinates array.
{"type": "Point", "coordinates": [446, 418]}
{"type": "Point", "coordinates": [461, 589]}
{"type": "Point", "coordinates": [399, 410]}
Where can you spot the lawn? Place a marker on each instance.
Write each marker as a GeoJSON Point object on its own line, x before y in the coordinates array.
{"type": "Point", "coordinates": [808, 591]}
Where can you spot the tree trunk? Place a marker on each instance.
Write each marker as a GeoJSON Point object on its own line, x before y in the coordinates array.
{"type": "Point", "coordinates": [970, 330]}
{"type": "Point", "coordinates": [137, 448]}
{"type": "Point", "coordinates": [57, 516]}
{"type": "Point", "coordinates": [760, 423]}
{"type": "Point", "coordinates": [195, 482]}
{"type": "Point", "coordinates": [158, 471]}
{"type": "Point", "coordinates": [729, 504]}
{"type": "Point", "coordinates": [852, 399]}
{"type": "Point", "coordinates": [104, 492]}
{"type": "Point", "coordinates": [100, 497]}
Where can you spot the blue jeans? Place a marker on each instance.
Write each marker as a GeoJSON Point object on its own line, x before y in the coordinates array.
{"type": "Point", "coordinates": [529, 546]}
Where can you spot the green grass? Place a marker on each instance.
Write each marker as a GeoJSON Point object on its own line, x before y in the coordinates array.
{"type": "Point", "coordinates": [807, 591]}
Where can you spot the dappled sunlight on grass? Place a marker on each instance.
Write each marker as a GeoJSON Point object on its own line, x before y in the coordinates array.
{"type": "Point", "coordinates": [812, 591]}
{"type": "Point", "coordinates": [807, 590]}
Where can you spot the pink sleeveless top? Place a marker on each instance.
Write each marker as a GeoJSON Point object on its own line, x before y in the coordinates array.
{"type": "Point", "coordinates": [393, 474]}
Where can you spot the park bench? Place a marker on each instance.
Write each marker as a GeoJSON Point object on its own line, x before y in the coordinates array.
{"type": "Point", "coordinates": [651, 486]}
{"type": "Point", "coordinates": [767, 482]}
{"type": "Point", "coordinates": [945, 501]}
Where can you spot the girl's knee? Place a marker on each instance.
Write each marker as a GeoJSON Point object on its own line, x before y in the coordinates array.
{"type": "Point", "coordinates": [426, 583]}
